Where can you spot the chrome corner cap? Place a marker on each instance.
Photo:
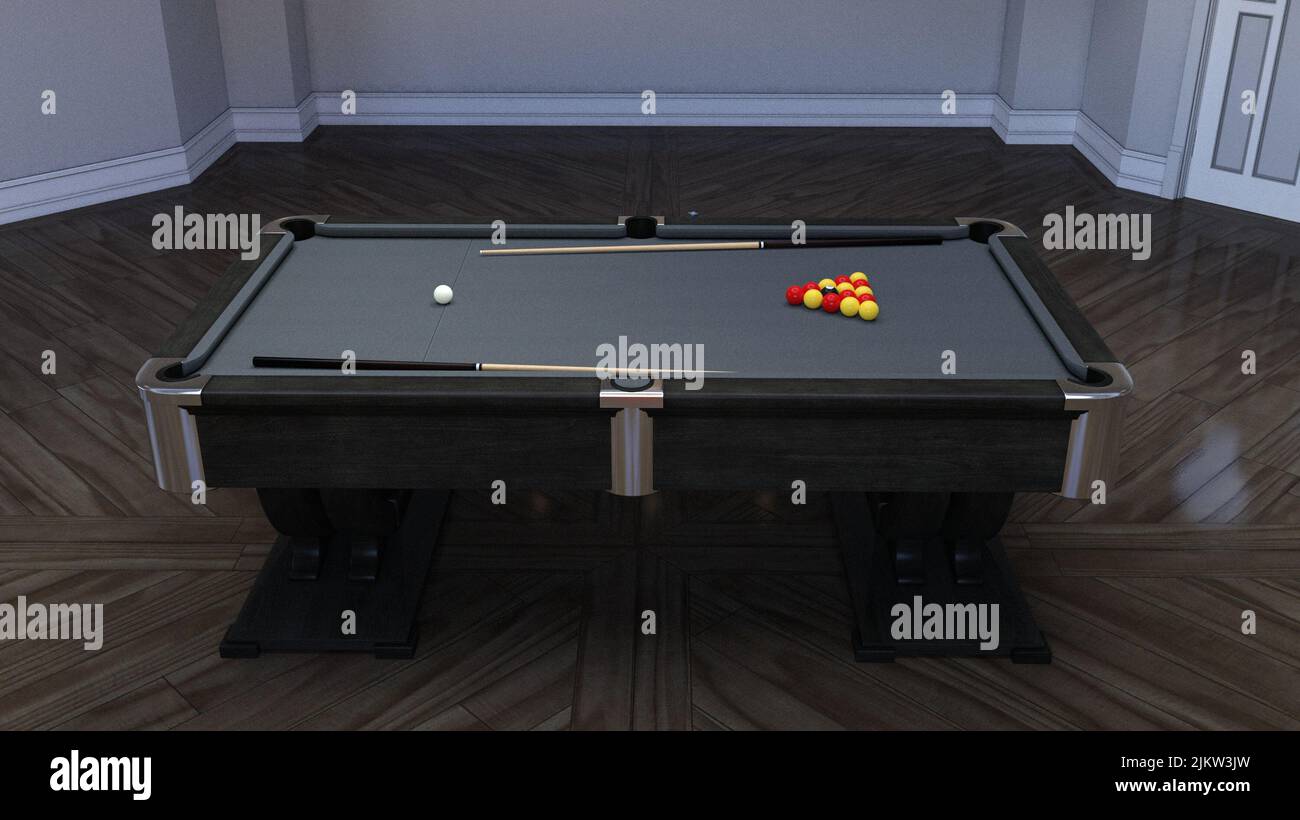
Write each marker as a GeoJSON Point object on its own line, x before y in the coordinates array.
{"type": "Point", "coordinates": [173, 434]}
{"type": "Point", "coordinates": [154, 387]}
{"type": "Point", "coordinates": [1096, 433]}
{"type": "Point", "coordinates": [1081, 396]}
{"type": "Point", "coordinates": [1008, 229]}
{"type": "Point", "coordinates": [613, 397]}
{"type": "Point", "coordinates": [276, 226]}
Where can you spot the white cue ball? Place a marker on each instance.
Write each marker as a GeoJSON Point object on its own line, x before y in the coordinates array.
{"type": "Point", "coordinates": [442, 295]}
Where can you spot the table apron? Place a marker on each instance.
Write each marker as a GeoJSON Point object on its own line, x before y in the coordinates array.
{"type": "Point", "coordinates": [632, 452]}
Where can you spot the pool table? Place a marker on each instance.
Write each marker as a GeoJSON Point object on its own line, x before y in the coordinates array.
{"type": "Point", "coordinates": [979, 378]}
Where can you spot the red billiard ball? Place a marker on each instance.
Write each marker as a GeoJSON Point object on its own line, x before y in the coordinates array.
{"type": "Point", "coordinates": [866, 297]}
{"type": "Point", "coordinates": [831, 303]}
{"type": "Point", "coordinates": [794, 295]}
{"type": "Point", "coordinates": [841, 279]}
{"type": "Point", "coordinates": [811, 286]}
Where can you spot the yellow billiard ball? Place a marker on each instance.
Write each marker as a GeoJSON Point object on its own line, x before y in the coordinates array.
{"type": "Point", "coordinates": [868, 311]}
{"type": "Point", "coordinates": [826, 283]}
{"type": "Point", "coordinates": [843, 286]}
{"type": "Point", "coordinates": [849, 306]}
{"type": "Point", "coordinates": [858, 276]}
{"type": "Point", "coordinates": [863, 290]}
{"type": "Point", "coordinates": [812, 299]}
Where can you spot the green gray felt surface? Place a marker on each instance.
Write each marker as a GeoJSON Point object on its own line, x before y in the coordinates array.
{"type": "Point", "coordinates": [375, 296]}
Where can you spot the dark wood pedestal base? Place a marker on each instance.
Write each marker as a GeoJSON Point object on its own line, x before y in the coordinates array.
{"type": "Point", "coordinates": [939, 548]}
{"type": "Point", "coordinates": [938, 568]}
{"type": "Point", "coordinates": [288, 614]}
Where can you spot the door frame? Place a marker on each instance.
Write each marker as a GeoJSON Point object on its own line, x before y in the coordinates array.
{"type": "Point", "coordinates": [1193, 92]}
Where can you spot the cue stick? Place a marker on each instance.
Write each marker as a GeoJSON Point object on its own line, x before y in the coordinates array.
{"type": "Point", "coordinates": [308, 363]}
{"type": "Point", "coordinates": [747, 245]}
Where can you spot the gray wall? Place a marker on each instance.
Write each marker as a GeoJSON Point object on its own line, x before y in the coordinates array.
{"type": "Point", "coordinates": [194, 53]}
{"type": "Point", "coordinates": [135, 76]}
{"type": "Point", "coordinates": [1045, 53]}
{"type": "Point", "coordinates": [265, 48]}
{"type": "Point", "coordinates": [107, 62]}
{"type": "Point", "coordinates": [1135, 70]}
{"type": "Point", "coordinates": [813, 46]}
{"type": "Point", "coordinates": [299, 59]}
{"type": "Point", "coordinates": [1113, 57]}
{"type": "Point", "coordinates": [1160, 75]}
{"type": "Point", "coordinates": [1012, 31]}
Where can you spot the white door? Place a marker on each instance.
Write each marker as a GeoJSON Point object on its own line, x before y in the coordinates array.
{"type": "Point", "coordinates": [1246, 152]}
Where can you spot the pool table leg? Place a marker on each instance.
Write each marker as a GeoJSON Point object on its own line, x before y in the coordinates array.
{"type": "Point", "coordinates": [972, 521]}
{"type": "Point", "coordinates": [372, 572]}
{"type": "Point", "coordinates": [299, 515]}
{"type": "Point", "coordinates": [942, 548]}
{"type": "Point", "coordinates": [365, 520]}
{"type": "Point", "coordinates": [909, 523]}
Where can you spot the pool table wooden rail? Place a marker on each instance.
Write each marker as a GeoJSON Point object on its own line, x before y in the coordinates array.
{"type": "Point", "coordinates": [453, 432]}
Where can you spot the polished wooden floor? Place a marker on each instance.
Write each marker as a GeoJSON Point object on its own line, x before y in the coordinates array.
{"type": "Point", "coordinates": [531, 619]}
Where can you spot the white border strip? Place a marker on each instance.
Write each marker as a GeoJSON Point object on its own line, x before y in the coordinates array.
{"type": "Point", "coordinates": [77, 187]}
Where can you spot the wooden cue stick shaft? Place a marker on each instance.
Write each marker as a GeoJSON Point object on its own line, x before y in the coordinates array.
{"type": "Point", "coordinates": [565, 368]}
{"type": "Point", "coordinates": [671, 246]}
{"type": "Point", "coordinates": [309, 363]}
{"type": "Point", "coordinates": [747, 245]}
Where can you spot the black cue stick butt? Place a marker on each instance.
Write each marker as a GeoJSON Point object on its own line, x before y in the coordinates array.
{"type": "Point", "coordinates": [310, 363]}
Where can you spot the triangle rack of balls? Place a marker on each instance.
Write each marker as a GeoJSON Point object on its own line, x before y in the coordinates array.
{"type": "Point", "coordinates": [849, 295]}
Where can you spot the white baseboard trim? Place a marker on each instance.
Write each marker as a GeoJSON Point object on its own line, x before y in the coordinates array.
{"type": "Point", "coordinates": [207, 146]}
{"type": "Point", "coordinates": [56, 191]}
{"type": "Point", "coordinates": [1173, 171]}
{"type": "Point", "coordinates": [788, 110]}
{"type": "Point", "coordinates": [1032, 127]}
{"type": "Point", "coordinates": [77, 187]}
{"type": "Point", "coordinates": [276, 124]}
{"type": "Point", "coordinates": [70, 188]}
{"type": "Point", "coordinates": [1125, 168]}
